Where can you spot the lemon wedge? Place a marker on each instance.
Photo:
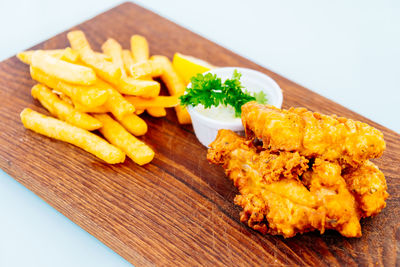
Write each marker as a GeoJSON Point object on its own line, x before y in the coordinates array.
{"type": "Point", "coordinates": [188, 66]}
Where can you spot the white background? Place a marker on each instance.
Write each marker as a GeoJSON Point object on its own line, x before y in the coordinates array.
{"type": "Point", "coordinates": [348, 51]}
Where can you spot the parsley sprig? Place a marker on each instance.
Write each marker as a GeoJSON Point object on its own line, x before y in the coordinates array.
{"type": "Point", "coordinates": [208, 90]}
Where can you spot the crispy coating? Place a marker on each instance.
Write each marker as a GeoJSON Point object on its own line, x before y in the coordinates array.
{"type": "Point", "coordinates": [325, 182]}
{"type": "Point", "coordinates": [271, 166]}
{"type": "Point", "coordinates": [281, 195]}
{"type": "Point", "coordinates": [312, 134]}
{"type": "Point", "coordinates": [368, 185]}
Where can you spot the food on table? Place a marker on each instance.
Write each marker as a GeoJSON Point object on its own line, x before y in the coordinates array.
{"type": "Point", "coordinates": [284, 189]}
{"type": "Point", "coordinates": [188, 66]}
{"type": "Point", "coordinates": [128, 60]}
{"type": "Point", "coordinates": [150, 68]}
{"type": "Point", "coordinates": [62, 70]}
{"type": "Point", "coordinates": [135, 149]}
{"type": "Point", "coordinates": [157, 112]}
{"type": "Point", "coordinates": [66, 132]}
{"type": "Point", "coordinates": [81, 87]}
{"type": "Point", "coordinates": [210, 96]}
{"type": "Point", "coordinates": [140, 55]}
{"type": "Point", "coordinates": [66, 54]}
{"type": "Point", "coordinates": [155, 102]}
{"type": "Point", "coordinates": [368, 185]}
{"type": "Point", "coordinates": [104, 69]}
{"type": "Point", "coordinates": [139, 48]}
{"type": "Point", "coordinates": [139, 111]}
{"type": "Point", "coordinates": [175, 87]}
{"type": "Point", "coordinates": [312, 134]}
{"type": "Point", "coordinates": [90, 96]}
{"type": "Point", "coordinates": [134, 124]}
{"type": "Point", "coordinates": [63, 110]}
{"type": "Point", "coordinates": [114, 50]}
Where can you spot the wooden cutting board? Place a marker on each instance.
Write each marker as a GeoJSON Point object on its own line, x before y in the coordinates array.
{"type": "Point", "coordinates": [178, 210]}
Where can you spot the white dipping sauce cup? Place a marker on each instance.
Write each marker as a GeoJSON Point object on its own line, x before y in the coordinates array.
{"type": "Point", "coordinates": [206, 128]}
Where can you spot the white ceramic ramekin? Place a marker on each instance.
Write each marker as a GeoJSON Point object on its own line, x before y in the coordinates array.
{"type": "Point", "coordinates": [206, 128]}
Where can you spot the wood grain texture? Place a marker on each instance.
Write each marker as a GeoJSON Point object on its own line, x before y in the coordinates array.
{"type": "Point", "coordinates": [178, 209]}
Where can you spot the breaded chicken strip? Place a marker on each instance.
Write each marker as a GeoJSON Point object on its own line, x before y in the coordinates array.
{"type": "Point", "coordinates": [271, 202]}
{"type": "Point", "coordinates": [325, 182]}
{"type": "Point", "coordinates": [368, 184]}
{"type": "Point", "coordinates": [274, 200]}
{"type": "Point", "coordinates": [312, 134]}
{"type": "Point", "coordinates": [271, 166]}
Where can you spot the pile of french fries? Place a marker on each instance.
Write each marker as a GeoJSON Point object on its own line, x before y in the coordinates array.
{"type": "Point", "coordinates": [86, 91]}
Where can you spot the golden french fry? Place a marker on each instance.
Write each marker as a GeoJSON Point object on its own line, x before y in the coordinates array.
{"type": "Point", "coordinates": [115, 103]}
{"type": "Point", "coordinates": [114, 50]}
{"type": "Point", "coordinates": [139, 111]}
{"type": "Point", "coordinates": [152, 68]}
{"type": "Point", "coordinates": [134, 124]}
{"type": "Point", "coordinates": [85, 109]}
{"type": "Point", "coordinates": [70, 55]}
{"type": "Point", "coordinates": [63, 70]}
{"type": "Point", "coordinates": [66, 54]}
{"type": "Point", "coordinates": [26, 56]}
{"type": "Point", "coordinates": [103, 68]}
{"type": "Point", "coordinates": [103, 56]}
{"type": "Point", "coordinates": [138, 151]}
{"type": "Point", "coordinates": [63, 110]}
{"type": "Point", "coordinates": [155, 102]}
{"type": "Point", "coordinates": [175, 86]}
{"type": "Point", "coordinates": [127, 59]}
{"type": "Point", "coordinates": [64, 97]}
{"type": "Point", "coordinates": [91, 96]}
{"type": "Point", "coordinates": [157, 112]}
{"type": "Point", "coordinates": [131, 86]}
{"type": "Point", "coordinates": [118, 105]}
{"type": "Point", "coordinates": [63, 131]}
{"type": "Point", "coordinates": [139, 48]}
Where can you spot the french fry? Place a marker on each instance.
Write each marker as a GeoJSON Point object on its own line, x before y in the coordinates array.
{"type": "Point", "coordinates": [63, 131]}
{"type": "Point", "coordinates": [70, 55]}
{"type": "Point", "coordinates": [139, 111]}
{"type": "Point", "coordinates": [26, 56]}
{"type": "Point", "coordinates": [155, 102]}
{"type": "Point", "coordinates": [157, 112]}
{"type": "Point", "coordinates": [131, 86]}
{"type": "Point", "coordinates": [175, 86]}
{"type": "Point", "coordinates": [145, 68]}
{"type": "Point", "coordinates": [91, 96]}
{"type": "Point", "coordinates": [66, 54]}
{"type": "Point", "coordinates": [115, 103]}
{"type": "Point", "coordinates": [127, 59]}
{"type": "Point", "coordinates": [103, 56]}
{"type": "Point", "coordinates": [63, 70]}
{"type": "Point", "coordinates": [152, 68]}
{"type": "Point", "coordinates": [118, 105]}
{"type": "Point", "coordinates": [63, 110]}
{"type": "Point", "coordinates": [64, 97]}
{"type": "Point", "coordinates": [114, 50]}
{"type": "Point", "coordinates": [85, 109]}
{"type": "Point", "coordinates": [138, 151]}
{"type": "Point", "coordinates": [134, 124]}
{"type": "Point", "coordinates": [103, 68]}
{"type": "Point", "coordinates": [139, 48]}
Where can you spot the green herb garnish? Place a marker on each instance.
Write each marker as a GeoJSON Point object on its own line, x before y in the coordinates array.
{"type": "Point", "coordinates": [209, 90]}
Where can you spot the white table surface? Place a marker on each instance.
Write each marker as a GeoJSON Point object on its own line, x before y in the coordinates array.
{"type": "Point", "coordinates": [348, 51]}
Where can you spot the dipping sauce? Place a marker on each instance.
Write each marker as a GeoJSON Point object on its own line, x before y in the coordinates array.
{"type": "Point", "coordinates": [221, 113]}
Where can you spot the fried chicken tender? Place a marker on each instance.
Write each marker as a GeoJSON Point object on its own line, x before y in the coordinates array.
{"type": "Point", "coordinates": [271, 167]}
{"type": "Point", "coordinates": [271, 203]}
{"type": "Point", "coordinates": [325, 182]}
{"type": "Point", "coordinates": [281, 195]}
{"type": "Point", "coordinates": [330, 138]}
{"type": "Point", "coordinates": [368, 184]}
